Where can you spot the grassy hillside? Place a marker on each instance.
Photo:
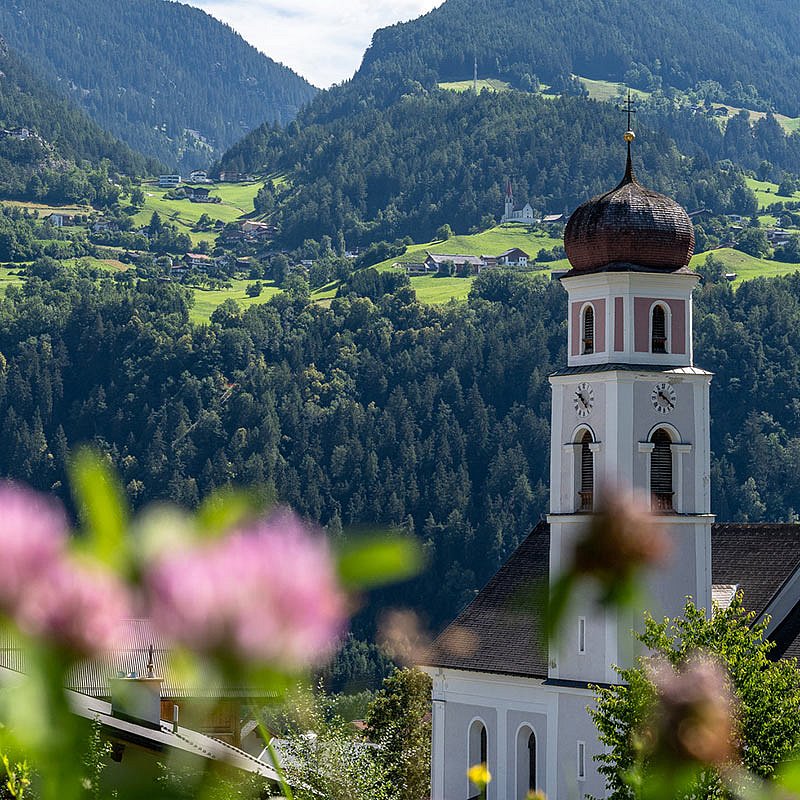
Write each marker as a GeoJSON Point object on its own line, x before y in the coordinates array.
{"type": "Point", "coordinates": [766, 193]}
{"type": "Point", "coordinates": [237, 201]}
{"type": "Point", "coordinates": [492, 84]}
{"type": "Point", "coordinates": [746, 267]}
{"type": "Point", "coordinates": [491, 242]}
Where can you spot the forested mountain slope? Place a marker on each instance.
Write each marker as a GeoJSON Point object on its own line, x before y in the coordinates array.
{"type": "Point", "coordinates": [153, 71]}
{"type": "Point", "coordinates": [430, 158]}
{"type": "Point", "coordinates": [750, 49]}
{"type": "Point", "coordinates": [389, 412]}
{"type": "Point", "coordinates": [61, 159]}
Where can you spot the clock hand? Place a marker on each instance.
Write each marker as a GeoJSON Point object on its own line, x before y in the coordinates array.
{"type": "Point", "coordinates": [666, 399]}
{"type": "Point", "coordinates": [580, 397]}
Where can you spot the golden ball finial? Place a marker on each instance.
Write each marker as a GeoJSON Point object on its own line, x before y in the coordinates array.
{"type": "Point", "coordinates": [629, 136]}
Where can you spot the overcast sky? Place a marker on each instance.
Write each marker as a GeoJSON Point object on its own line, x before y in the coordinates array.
{"type": "Point", "coordinates": [323, 40]}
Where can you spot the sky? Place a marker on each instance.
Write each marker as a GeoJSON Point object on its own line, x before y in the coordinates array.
{"type": "Point", "coordinates": [323, 40]}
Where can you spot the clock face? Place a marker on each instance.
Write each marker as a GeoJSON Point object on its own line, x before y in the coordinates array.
{"type": "Point", "coordinates": [664, 398]}
{"type": "Point", "coordinates": [583, 399]}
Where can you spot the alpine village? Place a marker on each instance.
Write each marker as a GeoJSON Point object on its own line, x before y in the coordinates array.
{"type": "Point", "coordinates": [434, 435]}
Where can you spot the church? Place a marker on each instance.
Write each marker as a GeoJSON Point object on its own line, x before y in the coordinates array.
{"type": "Point", "coordinates": [515, 213]}
{"type": "Point", "coordinates": [630, 409]}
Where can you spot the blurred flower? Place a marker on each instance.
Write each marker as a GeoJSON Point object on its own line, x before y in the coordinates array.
{"type": "Point", "coordinates": [479, 775]}
{"type": "Point", "coordinates": [75, 605]}
{"type": "Point", "coordinates": [693, 721]}
{"type": "Point", "coordinates": [402, 637]}
{"type": "Point", "coordinates": [620, 538]}
{"type": "Point", "coordinates": [33, 536]}
{"type": "Point", "coordinates": [536, 795]}
{"type": "Point", "coordinates": [267, 592]}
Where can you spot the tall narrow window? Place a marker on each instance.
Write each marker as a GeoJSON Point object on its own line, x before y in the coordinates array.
{"type": "Point", "coordinates": [581, 761]}
{"type": "Point", "coordinates": [581, 635]}
{"type": "Point", "coordinates": [478, 752]}
{"type": "Point", "coordinates": [661, 471]}
{"type": "Point", "coordinates": [532, 762]}
{"type": "Point", "coordinates": [659, 341]}
{"type": "Point", "coordinates": [587, 473]}
{"type": "Point", "coordinates": [588, 330]}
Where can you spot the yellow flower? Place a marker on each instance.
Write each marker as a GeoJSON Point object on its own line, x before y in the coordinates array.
{"type": "Point", "coordinates": [479, 775]}
{"type": "Point", "coordinates": [537, 795]}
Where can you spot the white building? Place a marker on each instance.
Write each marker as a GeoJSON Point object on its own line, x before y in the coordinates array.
{"type": "Point", "coordinates": [169, 181]}
{"type": "Point", "coordinates": [629, 409]}
{"type": "Point", "coordinates": [515, 213]}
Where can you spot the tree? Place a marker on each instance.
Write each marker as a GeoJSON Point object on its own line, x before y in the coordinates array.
{"type": "Point", "coordinates": [323, 758]}
{"type": "Point", "coordinates": [137, 197]}
{"type": "Point", "coordinates": [754, 242]}
{"type": "Point", "coordinates": [444, 232]}
{"type": "Point", "coordinates": [254, 289]}
{"type": "Point", "coordinates": [398, 720]}
{"type": "Point", "coordinates": [768, 693]}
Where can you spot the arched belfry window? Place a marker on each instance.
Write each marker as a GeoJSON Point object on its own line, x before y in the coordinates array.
{"type": "Point", "coordinates": [478, 749]}
{"type": "Point", "coordinates": [588, 330]}
{"type": "Point", "coordinates": [661, 471]}
{"type": "Point", "coordinates": [586, 491]}
{"type": "Point", "coordinates": [659, 330]}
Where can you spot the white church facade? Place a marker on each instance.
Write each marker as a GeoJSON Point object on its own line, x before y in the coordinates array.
{"type": "Point", "coordinates": [515, 213]}
{"type": "Point", "coordinates": [629, 409]}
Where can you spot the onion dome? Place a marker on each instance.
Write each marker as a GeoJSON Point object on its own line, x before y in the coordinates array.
{"type": "Point", "coordinates": [631, 226]}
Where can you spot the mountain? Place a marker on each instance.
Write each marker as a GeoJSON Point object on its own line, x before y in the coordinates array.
{"type": "Point", "coordinates": [750, 49]}
{"type": "Point", "coordinates": [437, 157]}
{"type": "Point", "coordinates": [49, 148]}
{"type": "Point", "coordinates": [169, 79]}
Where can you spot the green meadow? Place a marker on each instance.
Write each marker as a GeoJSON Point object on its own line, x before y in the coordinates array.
{"type": "Point", "coordinates": [745, 266]}
{"type": "Point", "coordinates": [492, 84]}
{"type": "Point", "coordinates": [766, 193]}
{"type": "Point", "coordinates": [491, 242]}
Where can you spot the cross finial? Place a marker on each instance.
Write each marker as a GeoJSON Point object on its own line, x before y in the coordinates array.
{"type": "Point", "coordinates": [628, 108]}
{"type": "Point", "coordinates": [629, 136]}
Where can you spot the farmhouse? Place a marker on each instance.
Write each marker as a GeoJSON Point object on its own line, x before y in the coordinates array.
{"type": "Point", "coordinates": [199, 194]}
{"type": "Point", "coordinates": [228, 176]}
{"type": "Point", "coordinates": [58, 220]}
{"type": "Point", "coordinates": [513, 258]}
{"type": "Point", "coordinates": [631, 408]}
{"type": "Point", "coordinates": [463, 265]}
{"type": "Point", "coordinates": [169, 181]}
{"type": "Point", "coordinates": [198, 261]}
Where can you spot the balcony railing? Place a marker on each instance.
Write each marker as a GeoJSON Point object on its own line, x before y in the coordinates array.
{"type": "Point", "coordinates": [662, 501]}
{"type": "Point", "coordinates": [586, 501]}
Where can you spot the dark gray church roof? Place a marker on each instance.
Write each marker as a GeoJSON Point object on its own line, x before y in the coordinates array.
{"type": "Point", "coordinates": [502, 631]}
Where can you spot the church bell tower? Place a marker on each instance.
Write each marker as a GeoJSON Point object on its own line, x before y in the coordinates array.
{"type": "Point", "coordinates": [630, 410]}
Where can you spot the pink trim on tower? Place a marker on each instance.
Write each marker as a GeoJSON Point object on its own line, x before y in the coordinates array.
{"type": "Point", "coordinates": [599, 325]}
{"type": "Point", "coordinates": [619, 324]}
{"type": "Point", "coordinates": [641, 324]}
{"type": "Point", "coordinates": [678, 309]}
{"type": "Point", "coordinates": [575, 321]}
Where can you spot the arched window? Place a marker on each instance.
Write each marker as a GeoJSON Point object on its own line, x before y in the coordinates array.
{"type": "Point", "coordinates": [586, 491]}
{"type": "Point", "coordinates": [478, 750]}
{"type": "Point", "coordinates": [526, 763]}
{"type": "Point", "coordinates": [588, 330]}
{"type": "Point", "coordinates": [532, 762]}
{"type": "Point", "coordinates": [661, 470]}
{"type": "Point", "coordinates": [659, 330]}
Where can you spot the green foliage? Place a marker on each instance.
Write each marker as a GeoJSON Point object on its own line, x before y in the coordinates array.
{"type": "Point", "coordinates": [753, 241]}
{"type": "Point", "coordinates": [399, 721]}
{"type": "Point", "coordinates": [375, 173]}
{"type": "Point", "coordinates": [323, 757]}
{"type": "Point", "coordinates": [768, 693]}
{"type": "Point", "coordinates": [17, 783]}
{"type": "Point", "coordinates": [647, 49]}
{"type": "Point", "coordinates": [217, 81]}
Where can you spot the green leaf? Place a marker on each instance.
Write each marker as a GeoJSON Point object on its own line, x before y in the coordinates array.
{"type": "Point", "coordinates": [102, 508]}
{"type": "Point", "coordinates": [378, 559]}
{"type": "Point", "coordinates": [229, 507]}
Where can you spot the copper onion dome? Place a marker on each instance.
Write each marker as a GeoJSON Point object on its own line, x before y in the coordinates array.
{"type": "Point", "coordinates": [629, 225]}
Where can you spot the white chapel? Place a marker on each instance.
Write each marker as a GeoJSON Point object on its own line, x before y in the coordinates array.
{"type": "Point", "coordinates": [629, 409]}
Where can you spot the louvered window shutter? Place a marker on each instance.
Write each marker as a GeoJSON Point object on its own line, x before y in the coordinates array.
{"type": "Point", "coordinates": [587, 464]}
{"type": "Point", "coordinates": [659, 330]}
{"type": "Point", "coordinates": [588, 330]}
{"type": "Point", "coordinates": [661, 465]}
